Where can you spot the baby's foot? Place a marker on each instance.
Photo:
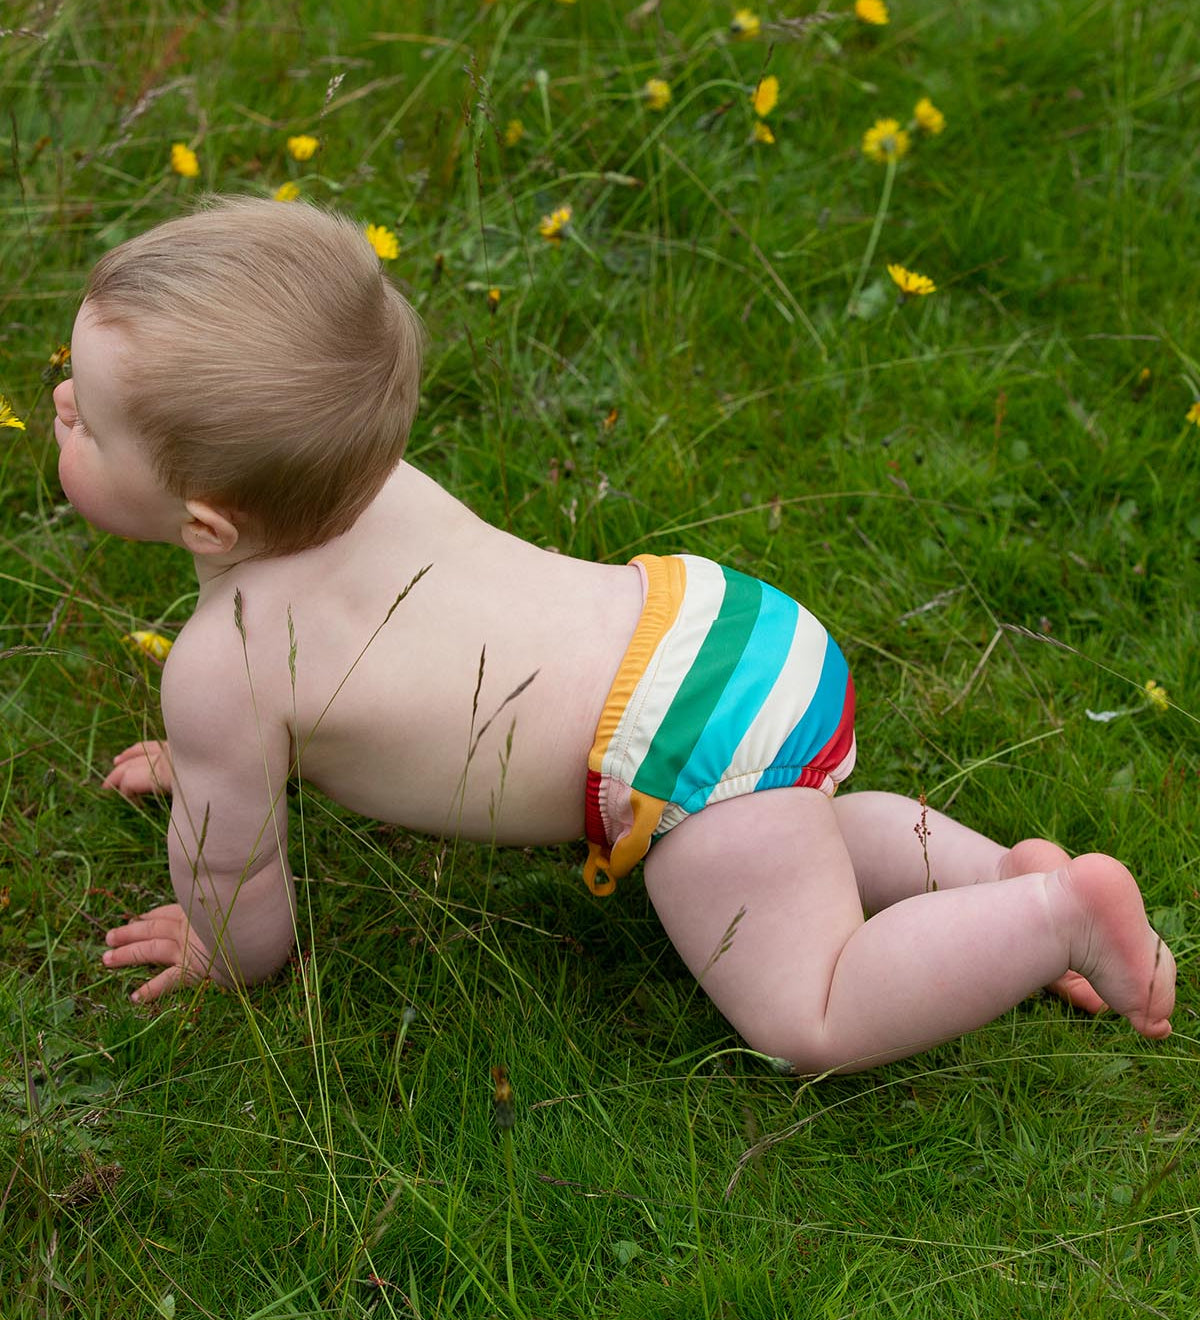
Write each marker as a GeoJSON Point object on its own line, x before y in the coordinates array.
{"type": "Point", "coordinates": [1116, 947]}
{"type": "Point", "coordinates": [1027, 857]}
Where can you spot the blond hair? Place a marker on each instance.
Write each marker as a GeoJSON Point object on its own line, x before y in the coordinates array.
{"type": "Point", "coordinates": [275, 370]}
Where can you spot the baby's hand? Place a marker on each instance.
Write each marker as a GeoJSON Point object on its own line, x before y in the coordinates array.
{"type": "Point", "coordinates": [161, 938]}
{"type": "Point", "coordinates": [143, 768]}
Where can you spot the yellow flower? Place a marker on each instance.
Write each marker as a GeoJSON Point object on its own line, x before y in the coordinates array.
{"type": "Point", "coordinates": [872, 11]}
{"type": "Point", "coordinates": [8, 417]}
{"type": "Point", "coordinates": [762, 133]}
{"type": "Point", "coordinates": [493, 300]}
{"type": "Point", "coordinates": [385, 243]}
{"type": "Point", "coordinates": [286, 192]}
{"type": "Point", "coordinates": [745, 25]}
{"type": "Point", "coordinates": [303, 147]}
{"type": "Point", "coordinates": [56, 364]}
{"type": "Point", "coordinates": [514, 131]}
{"type": "Point", "coordinates": [552, 225]}
{"type": "Point", "coordinates": [885, 140]}
{"type": "Point", "coordinates": [1193, 414]}
{"type": "Point", "coordinates": [928, 116]}
{"type": "Point", "coordinates": [765, 96]}
{"type": "Point", "coordinates": [183, 161]}
{"type": "Point", "coordinates": [909, 282]}
{"type": "Point", "coordinates": [1157, 695]}
{"type": "Point", "coordinates": [153, 644]}
{"type": "Point", "coordinates": [657, 92]}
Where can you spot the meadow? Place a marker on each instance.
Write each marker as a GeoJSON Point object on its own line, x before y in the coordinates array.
{"type": "Point", "coordinates": [651, 244]}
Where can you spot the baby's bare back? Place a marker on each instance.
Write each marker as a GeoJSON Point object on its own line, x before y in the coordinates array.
{"type": "Point", "coordinates": [391, 716]}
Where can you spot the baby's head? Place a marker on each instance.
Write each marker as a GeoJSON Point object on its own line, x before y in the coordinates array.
{"type": "Point", "coordinates": [275, 369]}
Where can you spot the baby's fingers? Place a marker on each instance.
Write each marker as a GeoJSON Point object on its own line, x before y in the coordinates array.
{"type": "Point", "coordinates": [144, 767]}
{"type": "Point", "coordinates": [150, 749]}
{"type": "Point", "coordinates": [160, 925]}
{"type": "Point", "coordinates": [150, 950]}
{"type": "Point", "coordinates": [134, 749]}
{"type": "Point", "coordinates": [137, 777]}
{"type": "Point", "coordinates": [119, 778]}
{"type": "Point", "coordinates": [159, 985]}
{"type": "Point", "coordinates": [127, 777]}
{"type": "Point", "coordinates": [143, 944]}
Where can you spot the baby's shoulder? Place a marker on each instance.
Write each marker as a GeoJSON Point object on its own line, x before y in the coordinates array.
{"type": "Point", "coordinates": [221, 720]}
{"type": "Point", "coordinates": [210, 673]}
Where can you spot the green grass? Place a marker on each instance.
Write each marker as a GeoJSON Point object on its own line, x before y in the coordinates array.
{"type": "Point", "coordinates": [683, 376]}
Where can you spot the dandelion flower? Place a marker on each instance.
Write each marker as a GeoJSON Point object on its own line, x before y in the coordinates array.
{"type": "Point", "coordinates": [910, 283]}
{"type": "Point", "coordinates": [1193, 414]}
{"type": "Point", "coordinates": [765, 96]}
{"type": "Point", "coordinates": [286, 192]}
{"type": "Point", "coordinates": [928, 116]}
{"type": "Point", "coordinates": [183, 160]}
{"type": "Point", "coordinates": [514, 131]}
{"type": "Point", "coordinates": [552, 225]}
{"type": "Point", "coordinates": [8, 417]}
{"type": "Point", "coordinates": [1157, 696]}
{"type": "Point", "coordinates": [385, 243]}
{"type": "Point", "coordinates": [763, 134]}
{"type": "Point", "coordinates": [303, 147]}
{"type": "Point", "coordinates": [493, 300]}
{"type": "Point", "coordinates": [657, 92]}
{"type": "Point", "coordinates": [872, 11]}
{"type": "Point", "coordinates": [56, 364]}
{"type": "Point", "coordinates": [153, 644]}
{"type": "Point", "coordinates": [885, 141]}
{"type": "Point", "coordinates": [745, 25]}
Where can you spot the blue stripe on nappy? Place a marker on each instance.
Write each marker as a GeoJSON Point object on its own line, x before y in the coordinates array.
{"type": "Point", "coordinates": [817, 725]}
{"type": "Point", "coordinates": [755, 674]}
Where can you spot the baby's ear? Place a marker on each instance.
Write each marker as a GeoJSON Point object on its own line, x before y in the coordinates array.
{"type": "Point", "coordinates": [208, 530]}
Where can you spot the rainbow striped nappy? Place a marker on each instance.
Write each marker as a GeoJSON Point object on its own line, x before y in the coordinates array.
{"type": "Point", "coordinates": [727, 687]}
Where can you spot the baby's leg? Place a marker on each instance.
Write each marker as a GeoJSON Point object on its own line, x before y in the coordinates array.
{"type": "Point", "coordinates": [803, 977]}
{"type": "Point", "coordinates": [883, 833]}
{"type": "Point", "coordinates": [899, 848]}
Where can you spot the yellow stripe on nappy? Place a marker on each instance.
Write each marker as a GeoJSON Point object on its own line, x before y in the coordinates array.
{"type": "Point", "coordinates": [666, 579]}
{"type": "Point", "coordinates": [629, 850]}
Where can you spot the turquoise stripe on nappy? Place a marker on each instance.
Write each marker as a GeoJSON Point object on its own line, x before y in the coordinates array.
{"type": "Point", "coordinates": [700, 690]}
{"type": "Point", "coordinates": [750, 684]}
{"type": "Point", "coordinates": [818, 725]}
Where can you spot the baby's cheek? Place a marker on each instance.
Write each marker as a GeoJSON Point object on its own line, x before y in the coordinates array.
{"type": "Point", "coordinates": [72, 477]}
{"type": "Point", "coordinates": [66, 469]}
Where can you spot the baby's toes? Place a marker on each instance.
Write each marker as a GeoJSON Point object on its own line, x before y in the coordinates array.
{"type": "Point", "coordinates": [1032, 856]}
{"type": "Point", "coordinates": [1078, 992]}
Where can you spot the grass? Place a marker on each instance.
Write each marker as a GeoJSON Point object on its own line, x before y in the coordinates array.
{"type": "Point", "coordinates": [678, 372]}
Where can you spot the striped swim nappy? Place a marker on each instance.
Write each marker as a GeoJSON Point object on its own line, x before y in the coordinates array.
{"type": "Point", "coordinates": [727, 687]}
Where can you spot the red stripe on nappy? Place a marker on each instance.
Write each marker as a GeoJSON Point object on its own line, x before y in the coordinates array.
{"type": "Point", "coordinates": [836, 749]}
{"type": "Point", "coordinates": [593, 820]}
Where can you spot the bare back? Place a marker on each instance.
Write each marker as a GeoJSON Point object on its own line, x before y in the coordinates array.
{"type": "Point", "coordinates": [390, 715]}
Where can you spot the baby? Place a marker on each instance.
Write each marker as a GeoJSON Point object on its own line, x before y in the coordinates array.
{"type": "Point", "coordinates": [244, 383]}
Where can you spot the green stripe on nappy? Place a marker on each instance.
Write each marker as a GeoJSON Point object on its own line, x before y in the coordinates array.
{"type": "Point", "coordinates": [701, 689]}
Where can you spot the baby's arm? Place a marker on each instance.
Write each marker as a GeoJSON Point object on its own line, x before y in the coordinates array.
{"type": "Point", "coordinates": [227, 843]}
